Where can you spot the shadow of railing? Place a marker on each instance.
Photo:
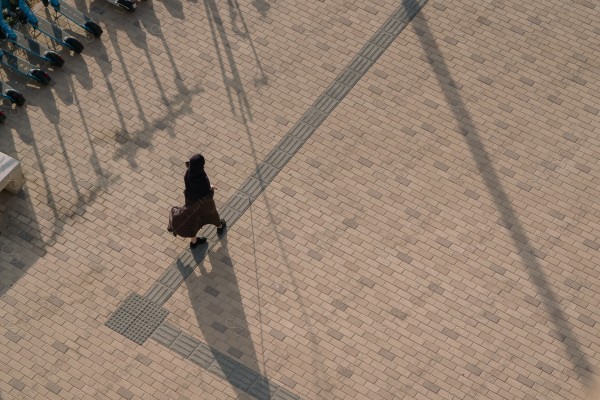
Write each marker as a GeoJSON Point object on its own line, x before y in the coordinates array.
{"type": "Point", "coordinates": [16, 236]}
{"type": "Point", "coordinates": [509, 217]}
{"type": "Point", "coordinates": [20, 222]}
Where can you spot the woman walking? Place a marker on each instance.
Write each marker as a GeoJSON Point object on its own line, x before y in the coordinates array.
{"type": "Point", "coordinates": [199, 208]}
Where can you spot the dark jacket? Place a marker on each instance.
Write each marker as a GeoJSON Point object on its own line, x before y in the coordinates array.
{"type": "Point", "coordinates": [196, 181]}
{"type": "Point", "coordinates": [199, 208]}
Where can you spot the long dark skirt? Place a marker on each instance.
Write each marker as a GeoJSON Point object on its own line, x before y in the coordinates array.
{"type": "Point", "coordinates": [186, 221]}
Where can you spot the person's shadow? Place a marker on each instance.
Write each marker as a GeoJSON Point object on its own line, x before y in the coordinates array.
{"type": "Point", "coordinates": [219, 310]}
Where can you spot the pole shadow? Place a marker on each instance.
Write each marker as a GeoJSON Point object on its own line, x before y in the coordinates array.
{"type": "Point", "coordinates": [234, 83]}
{"type": "Point", "coordinates": [175, 8]}
{"type": "Point", "coordinates": [235, 14]}
{"type": "Point", "coordinates": [132, 140]}
{"type": "Point", "coordinates": [509, 218]}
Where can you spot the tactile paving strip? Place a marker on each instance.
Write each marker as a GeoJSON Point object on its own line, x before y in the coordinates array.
{"type": "Point", "coordinates": [221, 365]}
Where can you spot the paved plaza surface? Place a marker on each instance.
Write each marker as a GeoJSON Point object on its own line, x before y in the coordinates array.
{"type": "Point", "coordinates": [411, 187]}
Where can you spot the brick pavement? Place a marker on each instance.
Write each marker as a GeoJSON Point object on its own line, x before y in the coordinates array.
{"type": "Point", "coordinates": [435, 238]}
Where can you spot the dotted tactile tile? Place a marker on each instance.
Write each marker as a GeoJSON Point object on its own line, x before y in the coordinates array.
{"type": "Point", "coordinates": [153, 314]}
{"type": "Point", "coordinates": [139, 331]}
{"type": "Point", "coordinates": [120, 321]}
{"type": "Point", "coordinates": [136, 318]}
{"type": "Point", "coordinates": [134, 305]}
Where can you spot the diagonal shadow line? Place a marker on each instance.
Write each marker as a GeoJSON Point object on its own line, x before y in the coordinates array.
{"type": "Point", "coordinates": [235, 11]}
{"type": "Point", "coordinates": [218, 33]}
{"type": "Point", "coordinates": [503, 203]}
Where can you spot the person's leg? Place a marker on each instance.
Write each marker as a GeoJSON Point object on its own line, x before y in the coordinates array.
{"type": "Point", "coordinates": [221, 227]}
{"type": "Point", "coordinates": [195, 242]}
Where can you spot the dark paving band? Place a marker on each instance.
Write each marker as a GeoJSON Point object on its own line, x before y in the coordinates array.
{"type": "Point", "coordinates": [141, 317]}
{"type": "Point", "coordinates": [220, 364]}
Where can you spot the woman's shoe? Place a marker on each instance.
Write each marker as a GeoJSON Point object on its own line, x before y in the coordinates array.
{"type": "Point", "coordinates": [201, 240]}
{"type": "Point", "coordinates": [221, 230]}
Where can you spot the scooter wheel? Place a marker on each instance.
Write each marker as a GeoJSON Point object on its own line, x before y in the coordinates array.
{"type": "Point", "coordinates": [74, 44]}
{"type": "Point", "coordinates": [54, 59]}
{"type": "Point", "coordinates": [15, 97]}
{"type": "Point", "coordinates": [127, 5]}
{"type": "Point", "coordinates": [45, 3]}
{"type": "Point", "coordinates": [40, 76]}
{"type": "Point", "coordinates": [2, 117]}
{"type": "Point", "coordinates": [93, 28]}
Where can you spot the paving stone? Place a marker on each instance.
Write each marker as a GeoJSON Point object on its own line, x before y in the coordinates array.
{"type": "Point", "coordinates": [339, 305]}
{"type": "Point", "coordinates": [525, 381]}
{"type": "Point", "coordinates": [139, 331]}
{"type": "Point", "coordinates": [184, 345]}
{"type": "Point", "coordinates": [219, 327]}
{"type": "Point", "coordinates": [124, 393]}
{"type": "Point", "coordinates": [55, 301]}
{"type": "Point", "coordinates": [53, 387]}
{"type": "Point", "coordinates": [262, 389]}
{"type": "Point", "coordinates": [202, 356]}
{"type": "Point", "coordinates": [404, 257]}
{"type": "Point", "coordinates": [60, 346]}
{"type": "Point", "coordinates": [212, 291]}
{"type": "Point", "coordinates": [430, 386]}
{"type": "Point", "coordinates": [12, 336]}
{"type": "Point", "coordinates": [143, 360]}
{"type": "Point", "coordinates": [474, 369]}
{"type": "Point", "coordinates": [545, 367]}
{"type": "Point", "coordinates": [313, 254]}
{"type": "Point", "coordinates": [387, 354]}
{"type": "Point", "coordinates": [491, 316]}
{"type": "Point", "coordinates": [587, 320]}
{"type": "Point", "coordinates": [350, 223]}
{"type": "Point", "coordinates": [485, 79]}
{"type": "Point", "coordinates": [165, 334]}
{"type": "Point", "coordinates": [344, 372]}
{"type": "Point", "coordinates": [17, 384]}
{"type": "Point", "coordinates": [243, 378]}
{"type": "Point", "coordinates": [335, 334]}
{"type": "Point", "coordinates": [277, 334]}
{"type": "Point", "coordinates": [223, 366]}
{"type": "Point", "coordinates": [366, 282]}
{"type": "Point", "coordinates": [398, 313]}
{"type": "Point", "coordinates": [573, 284]}
{"type": "Point", "coordinates": [282, 394]}
{"type": "Point", "coordinates": [235, 352]}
